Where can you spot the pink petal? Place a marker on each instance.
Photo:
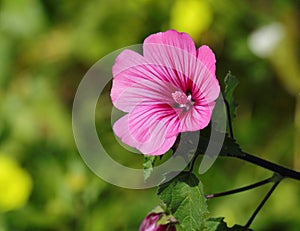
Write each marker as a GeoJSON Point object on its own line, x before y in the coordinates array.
{"type": "Point", "coordinates": [125, 60]}
{"type": "Point", "coordinates": [145, 92]}
{"type": "Point", "coordinates": [183, 66]}
{"type": "Point", "coordinates": [167, 144]}
{"type": "Point", "coordinates": [121, 129]}
{"type": "Point", "coordinates": [172, 38]}
{"type": "Point", "coordinates": [136, 81]}
{"type": "Point", "coordinates": [149, 116]}
{"type": "Point", "coordinates": [154, 119]}
{"type": "Point", "coordinates": [151, 130]}
{"type": "Point", "coordinates": [205, 86]}
{"type": "Point", "coordinates": [158, 144]}
{"type": "Point", "coordinates": [129, 70]}
{"type": "Point", "coordinates": [175, 53]}
{"type": "Point", "coordinates": [207, 57]}
{"type": "Point", "coordinates": [149, 143]}
{"type": "Point", "coordinates": [197, 118]}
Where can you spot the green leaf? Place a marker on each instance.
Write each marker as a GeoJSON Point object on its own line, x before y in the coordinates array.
{"type": "Point", "coordinates": [184, 198]}
{"type": "Point", "coordinates": [231, 148]}
{"type": "Point", "coordinates": [231, 82]}
{"type": "Point", "coordinates": [218, 224]}
{"type": "Point", "coordinates": [215, 224]}
{"type": "Point", "coordinates": [148, 165]}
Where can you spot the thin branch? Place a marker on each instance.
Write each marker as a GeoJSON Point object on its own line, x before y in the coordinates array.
{"type": "Point", "coordinates": [283, 171]}
{"type": "Point", "coordinates": [262, 203]}
{"type": "Point", "coordinates": [251, 186]}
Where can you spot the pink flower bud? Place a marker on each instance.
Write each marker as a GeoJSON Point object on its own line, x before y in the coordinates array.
{"type": "Point", "coordinates": [150, 223]}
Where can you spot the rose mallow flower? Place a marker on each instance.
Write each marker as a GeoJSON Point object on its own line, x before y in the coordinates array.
{"type": "Point", "coordinates": [150, 223]}
{"type": "Point", "coordinates": [169, 89]}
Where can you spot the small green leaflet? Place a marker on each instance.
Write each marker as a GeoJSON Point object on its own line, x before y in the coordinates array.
{"type": "Point", "coordinates": [215, 224]}
{"type": "Point", "coordinates": [218, 224]}
{"type": "Point", "coordinates": [148, 165]}
{"type": "Point", "coordinates": [231, 83]}
{"type": "Point", "coordinates": [184, 199]}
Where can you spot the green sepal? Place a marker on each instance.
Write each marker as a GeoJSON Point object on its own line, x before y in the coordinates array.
{"type": "Point", "coordinates": [231, 82]}
{"type": "Point", "coordinates": [148, 165]}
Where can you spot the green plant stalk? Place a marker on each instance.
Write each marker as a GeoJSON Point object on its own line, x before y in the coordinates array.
{"type": "Point", "coordinates": [283, 171]}
{"type": "Point", "coordinates": [261, 204]}
{"type": "Point", "coordinates": [242, 189]}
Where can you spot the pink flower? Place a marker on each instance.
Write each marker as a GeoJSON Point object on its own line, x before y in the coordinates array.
{"type": "Point", "coordinates": [150, 223]}
{"type": "Point", "coordinates": [169, 89]}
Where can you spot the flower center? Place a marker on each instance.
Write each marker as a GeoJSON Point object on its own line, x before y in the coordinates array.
{"type": "Point", "coordinates": [182, 100]}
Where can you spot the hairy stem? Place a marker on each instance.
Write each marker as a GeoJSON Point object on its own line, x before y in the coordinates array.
{"type": "Point", "coordinates": [242, 189]}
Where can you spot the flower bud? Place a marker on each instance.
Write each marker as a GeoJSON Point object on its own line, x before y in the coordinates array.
{"type": "Point", "coordinates": [150, 223]}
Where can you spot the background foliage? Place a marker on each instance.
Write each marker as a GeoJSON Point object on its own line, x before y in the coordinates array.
{"type": "Point", "coordinates": [46, 47]}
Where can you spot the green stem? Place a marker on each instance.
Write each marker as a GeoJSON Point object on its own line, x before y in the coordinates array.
{"type": "Point", "coordinates": [283, 171]}
{"type": "Point", "coordinates": [248, 187]}
{"type": "Point", "coordinates": [262, 203]}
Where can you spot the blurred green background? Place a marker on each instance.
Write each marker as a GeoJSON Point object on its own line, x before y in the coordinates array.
{"type": "Point", "coordinates": [46, 47]}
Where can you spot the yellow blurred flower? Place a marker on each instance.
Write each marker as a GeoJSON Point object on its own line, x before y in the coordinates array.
{"type": "Point", "coordinates": [191, 16]}
{"type": "Point", "coordinates": [15, 184]}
